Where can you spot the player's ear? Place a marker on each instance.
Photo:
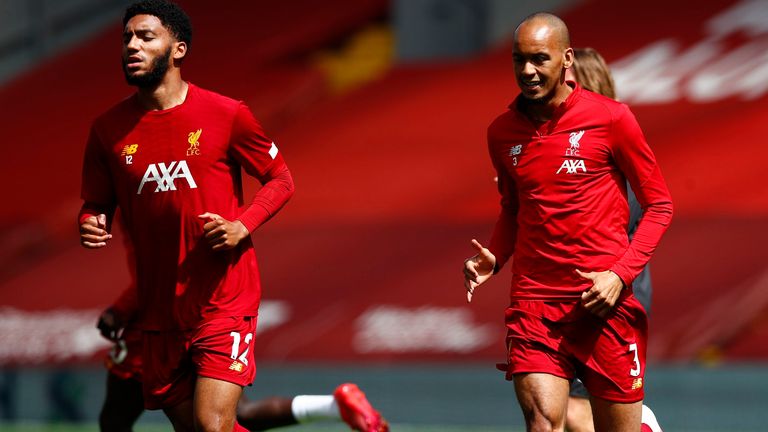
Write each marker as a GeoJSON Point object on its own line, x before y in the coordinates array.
{"type": "Point", "coordinates": [568, 58]}
{"type": "Point", "coordinates": [180, 50]}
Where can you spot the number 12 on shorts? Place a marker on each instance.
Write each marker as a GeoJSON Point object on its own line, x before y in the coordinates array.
{"type": "Point", "coordinates": [236, 347]}
{"type": "Point", "coordinates": [635, 371]}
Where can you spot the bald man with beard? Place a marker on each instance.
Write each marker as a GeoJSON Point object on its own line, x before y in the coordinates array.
{"type": "Point", "coordinates": [563, 156]}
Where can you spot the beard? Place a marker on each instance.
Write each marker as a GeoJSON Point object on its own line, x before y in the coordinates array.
{"type": "Point", "coordinates": [154, 76]}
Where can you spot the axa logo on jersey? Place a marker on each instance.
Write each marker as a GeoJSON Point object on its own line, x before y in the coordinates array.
{"type": "Point", "coordinates": [572, 166]}
{"type": "Point", "coordinates": [165, 176]}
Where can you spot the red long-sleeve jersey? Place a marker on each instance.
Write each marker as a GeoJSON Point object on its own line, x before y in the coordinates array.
{"type": "Point", "coordinates": [564, 198]}
{"type": "Point", "coordinates": [164, 169]}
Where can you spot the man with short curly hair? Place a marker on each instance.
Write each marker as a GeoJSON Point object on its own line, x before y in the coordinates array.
{"type": "Point", "coordinates": [169, 157]}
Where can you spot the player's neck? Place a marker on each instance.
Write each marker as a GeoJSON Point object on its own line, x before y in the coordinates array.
{"type": "Point", "coordinates": [170, 92]}
{"type": "Point", "coordinates": [541, 112]}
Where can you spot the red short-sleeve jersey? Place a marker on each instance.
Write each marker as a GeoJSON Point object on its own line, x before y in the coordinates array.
{"type": "Point", "coordinates": [165, 168]}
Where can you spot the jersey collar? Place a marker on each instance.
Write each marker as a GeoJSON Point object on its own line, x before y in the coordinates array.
{"type": "Point", "coordinates": [567, 104]}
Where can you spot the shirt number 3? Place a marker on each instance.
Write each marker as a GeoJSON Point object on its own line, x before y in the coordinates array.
{"type": "Point", "coordinates": [635, 371]}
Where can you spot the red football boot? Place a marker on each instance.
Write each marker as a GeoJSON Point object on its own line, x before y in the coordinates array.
{"type": "Point", "coordinates": [356, 411]}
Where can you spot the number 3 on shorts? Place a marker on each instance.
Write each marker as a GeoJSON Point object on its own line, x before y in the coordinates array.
{"type": "Point", "coordinates": [248, 337]}
{"type": "Point", "coordinates": [635, 371]}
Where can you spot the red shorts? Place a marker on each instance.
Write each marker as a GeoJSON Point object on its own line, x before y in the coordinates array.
{"type": "Point", "coordinates": [124, 359]}
{"type": "Point", "coordinates": [220, 348]}
{"type": "Point", "coordinates": [565, 340]}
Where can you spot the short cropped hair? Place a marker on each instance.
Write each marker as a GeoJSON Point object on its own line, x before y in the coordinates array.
{"type": "Point", "coordinates": [170, 14]}
{"type": "Point", "coordinates": [554, 22]}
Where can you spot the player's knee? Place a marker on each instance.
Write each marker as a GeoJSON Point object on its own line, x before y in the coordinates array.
{"type": "Point", "coordinates": [214, 422]}
{"type": "Point", "coordinates": [537, 421]}
{"type": "Point", "coordinates": [544, 426]}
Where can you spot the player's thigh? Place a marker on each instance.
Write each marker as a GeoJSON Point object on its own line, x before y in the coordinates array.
{"type": "Point", "coordinates": [612, 416]}
{"type": "Point", "coordinates": [222, 351]}
{"type": "Point", "coordinates": [614, 366]}
{"type": "Point", "coordinates": [215, 404]}
{"type": "Point", "coordinates": [222, 348]}
{"type": "Point", "coordinates": [543, 398]}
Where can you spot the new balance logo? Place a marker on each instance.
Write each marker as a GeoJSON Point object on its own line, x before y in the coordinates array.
{"type": "Point", "coordinates": [164, 176]}
{"type": "Point", "coordinates": [236, 366]}
{"type": "Point", "coordinates": [128, 152]}
{"type": "Point", "coordinates": [572, 166]}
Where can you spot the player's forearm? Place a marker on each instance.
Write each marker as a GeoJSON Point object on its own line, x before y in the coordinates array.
{"type": "Point", "coordinates": [502, 244]}
{"type": "Point", "coordinates": [656, 218]}
{"type": "Point", "coordinates": [504, 237]}
{"type": "Point", "coordinates": [269, 199]}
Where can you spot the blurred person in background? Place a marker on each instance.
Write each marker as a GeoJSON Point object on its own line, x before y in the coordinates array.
{"type": "Point", "coordinates": [124, 401]}
{"type": "Point", "coordinates": [562, 156]}
{"type": "Point", "coordinates": [169, 157]}
{"type": "Point", "coordinates": [590, 70]}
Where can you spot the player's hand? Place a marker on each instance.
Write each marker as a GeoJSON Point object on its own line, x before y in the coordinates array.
{"type": "Point", "coordinates": [110, 325]}
{"type": "Point", "coordinates": [93, 232]}
{"type": "Point", "coordinates": [478, 269]}
{"type": "Point", "coordinates": [605, 291]}
{"type": "Point", "coordinates": [222, 234]}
